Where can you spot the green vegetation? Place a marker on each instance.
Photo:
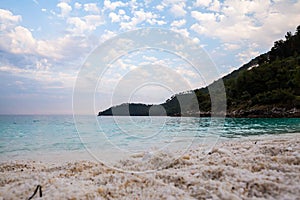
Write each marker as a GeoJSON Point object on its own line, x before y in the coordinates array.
{"type": "Point", "coordinates": [126, 109]}
{"type": "Point", "coordinates": [271, 80]}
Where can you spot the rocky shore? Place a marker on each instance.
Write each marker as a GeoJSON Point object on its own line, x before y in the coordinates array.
{"type": "Point", "coordinates": [275, 112]}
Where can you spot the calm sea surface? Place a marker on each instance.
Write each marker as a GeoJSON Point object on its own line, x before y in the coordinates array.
{"type": "Point", "coordinates": [32, 134]}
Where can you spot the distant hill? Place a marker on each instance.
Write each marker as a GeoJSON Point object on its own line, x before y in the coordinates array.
{"type": "Point", "coordinates": [135, 109]}
{"type": "Point", "coordinates": [267, 86]}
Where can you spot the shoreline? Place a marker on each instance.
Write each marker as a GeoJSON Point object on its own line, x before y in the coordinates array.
{"type": "Point", "coordinates": [262, 112]}
{"type": "Point", "coordinates": [266, 166]}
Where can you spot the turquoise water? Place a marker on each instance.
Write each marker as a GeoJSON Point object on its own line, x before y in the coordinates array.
{"type": "Point", "coordinates": [30, 134]}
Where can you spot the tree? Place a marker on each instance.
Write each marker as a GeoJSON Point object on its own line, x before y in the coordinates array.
{"type": "Point", "coordinates": [288, 35]}
{"type": "Point", "coordinates": [298, 31]}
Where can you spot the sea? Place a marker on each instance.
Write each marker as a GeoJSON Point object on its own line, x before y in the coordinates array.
{"type": "Point", "coordinates": [110, 138]}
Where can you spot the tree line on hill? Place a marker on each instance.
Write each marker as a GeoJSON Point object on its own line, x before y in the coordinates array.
{"type": "Point", "coordinates": [267, 86]}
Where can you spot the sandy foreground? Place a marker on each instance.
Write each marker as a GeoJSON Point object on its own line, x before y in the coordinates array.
{"type": "Point", "coordinates": [265, 167]}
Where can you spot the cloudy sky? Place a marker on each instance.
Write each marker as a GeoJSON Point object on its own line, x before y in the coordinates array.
{"type": "Point", "coordinates": [44, 44]}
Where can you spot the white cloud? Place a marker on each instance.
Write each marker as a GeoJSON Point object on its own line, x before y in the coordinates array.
{"type": "Point", "coordinates": [160, 7]}
{"type": "Point", "coordinates": [107, 35]}
{"type": "Point", "coordinates": [206, 17]}
{"type": "Point", "coordinates": [231, 46]}
{"type": "Point", "coordinates": [186, 73]}
{"type": "Point", "coordinates": [120, 64]}
{"type": "Point", "coordinates": [93, 20]}
{"type": "Point", "coordinates": [196, 40]}
{"type": "Point", "coordinates": [7, 19]}
{"type": "Point", "coordinates": [178, 23]}
{"type": "Point", "coordinates": [91, 7]}
{"type": "Point", "coordinates": [140, 16]}
{"type": "Point", "coordinates": [113, 5]}
{"type": "Point", "coordinates": [171, 2]}
{"type": "Point", "coordinates": [215, 6]}
{"type": "Point", "coordinates": [77, 5]}
{"type": "Point", "coordinates": [22, 40]}
{"type": "Point", "coordinates": [122, 12]}
{"type": "Point", "coordinates": [243, 24]}
{"type": "Point", "coordinates": [178, 9]}
{"type": "Point", "coordinates": [149, 58]}
{"type": "Point", "coordinates": [43, 64]}
{"type": "Point", "coordinates": [65, 9]}
{"type": "Point", "coordinates": [42, 75]}
{"type": "Point", "coordinates": [85, 24]}
{"type": "Point", "coordinates": [18, 40]}
{"type": "Point", "coordinates": [121, 16]}
{"type": "Point", "coordinates": [159, 22]}
{"type": "Point", "coordinates": [257, 21]}
{"type": "Point", "coordinates": [114, 17]}
{"type": "Point", "coordinates": [202, 3]}
{"type": "Point", "coordinates": [14, 38]}
{"type": "Point", "coordinates": [55, 49]}
{"type": "Point", "coordinates": [182, 31]}
{"type": "Point", "coordinates": [247, 55]}
{"type": "Point", "coordinates": [79, 25]}
{"type": "Point", "coordinates": [198, 29]}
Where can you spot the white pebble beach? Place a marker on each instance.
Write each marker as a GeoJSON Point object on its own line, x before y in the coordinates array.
{"type": "Point", "coordinates": [257, 167]}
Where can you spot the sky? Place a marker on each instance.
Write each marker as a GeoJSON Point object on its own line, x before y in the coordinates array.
{"type": "Point", "coordinates": [44, 45]}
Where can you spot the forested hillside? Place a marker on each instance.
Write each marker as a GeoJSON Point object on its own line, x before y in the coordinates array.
{"type": "Point", "coordinates": [267, 86]}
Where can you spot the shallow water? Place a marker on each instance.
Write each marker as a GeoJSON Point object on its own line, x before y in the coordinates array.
{"type": "Point", "coordinates": [40, 135]}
